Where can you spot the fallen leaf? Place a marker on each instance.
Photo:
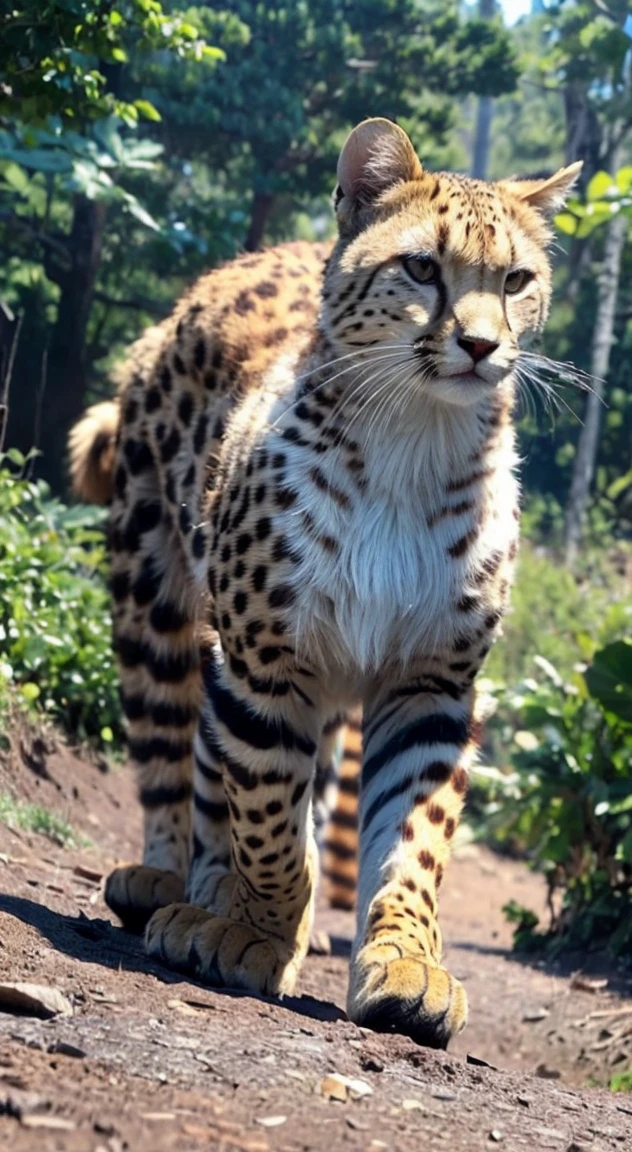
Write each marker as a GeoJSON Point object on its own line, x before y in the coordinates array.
{"type": "Point", "coordinates": [33, 1000]}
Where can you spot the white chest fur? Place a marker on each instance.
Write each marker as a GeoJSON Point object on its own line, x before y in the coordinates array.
{"type": "Point", "coordinates": [387, 594]}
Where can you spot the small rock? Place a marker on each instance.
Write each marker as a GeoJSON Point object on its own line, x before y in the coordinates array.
{"type": "Point", "coordinates": [157, 1116]}
{"type": "Point", "coordinates": [413, 1106]}
{"type": "Point", "coordinates": [370, 1063]}
{"type": "Point", "coordinates": [342, 1088]}
{"type": "Point", "coordinates": [63, 1048]}
{"type": "Point", "coordinates": [33, 1000]}
{"type": "Point", "coordinates": [58, 1123]}
{"type": "Point", "coordinates": [581, 983]}
{"type": "Point", "coordinates": [443, 1094]}
{"type": "Point", "coordinates": [495, 1136]}
{"type": "Point", "coordinates": [478, 1062]}
{"type": "Point", "coordinates": [271, 1121]}
{"type": "Point", "coordinates": [535, 1016]}
{"type": "Point", "coordinates": [356, 1125]}
{"type": "Point", "coordinates": [87, 873]}
{"type": "Point", "coordinates": [546, 1073]}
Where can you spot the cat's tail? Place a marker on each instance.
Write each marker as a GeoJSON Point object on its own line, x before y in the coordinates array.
{"type": "Point", "coordinates": [91, 446]}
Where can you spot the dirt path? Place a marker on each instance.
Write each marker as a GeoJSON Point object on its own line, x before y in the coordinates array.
{"type": "Point", "coordinates": [148, 1061]}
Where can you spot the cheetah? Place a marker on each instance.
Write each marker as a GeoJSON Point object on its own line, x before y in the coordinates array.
{"type": "Point", "coordinates": [314, 509]}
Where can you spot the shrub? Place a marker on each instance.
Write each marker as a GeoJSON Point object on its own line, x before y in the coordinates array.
{"type": "Point", "coordinates": [561, 616]}
{"type": "Point", "coordinates": [567, 799]}
{"type": "Point", "coordinates": [55, 627]}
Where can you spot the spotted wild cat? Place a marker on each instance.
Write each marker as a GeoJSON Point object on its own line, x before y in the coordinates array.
{"type": "Point", "coordinates": [314, 507]}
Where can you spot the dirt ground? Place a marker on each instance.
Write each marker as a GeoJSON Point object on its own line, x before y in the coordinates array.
{"type": "Point", "coordinates": [148, 1061]}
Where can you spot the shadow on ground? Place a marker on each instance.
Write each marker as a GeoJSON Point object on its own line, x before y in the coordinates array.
{"type": "Point", "coordinates": [99, 942]}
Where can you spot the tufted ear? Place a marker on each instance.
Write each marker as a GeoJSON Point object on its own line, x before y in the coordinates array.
{"type": "Point", "coordinates": [375, 155]}
{"type": "Point", "coordinates": [546, 196]}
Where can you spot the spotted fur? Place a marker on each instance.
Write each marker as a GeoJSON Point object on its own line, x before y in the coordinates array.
{"type": "Point", "coordinates": [315, 508]}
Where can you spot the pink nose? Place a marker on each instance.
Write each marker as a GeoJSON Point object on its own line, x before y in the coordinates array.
{"type": "Point", "coordinates": [477, 349]}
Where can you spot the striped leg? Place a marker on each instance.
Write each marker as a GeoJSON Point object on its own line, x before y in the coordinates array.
{"type": "Point", "coordinates": [340, 848]}
{"type": "Point", "coordinates": [417, 748]}
{"type": "Point", "coordinates": [258, 934]}
{"type": "Point", "coordinates": [210, 859]}
{"type": "Point", "coordinates": [160, 687]}
{"type": "Point", "coordinates": [326, 774]}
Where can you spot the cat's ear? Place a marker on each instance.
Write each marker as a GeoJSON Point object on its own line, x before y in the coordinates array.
{"type": "Point", "coordinates": [375, 156]}
{"type": "Point", "coordinates": [546, 196]}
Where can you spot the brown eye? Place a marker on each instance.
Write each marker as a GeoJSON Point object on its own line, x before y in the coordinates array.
{"type": "Point", "coordinates": [517, 280]}
{"type": "Point", "coordinates": [421, 269]}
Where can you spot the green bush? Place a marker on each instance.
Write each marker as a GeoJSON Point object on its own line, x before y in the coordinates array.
{"type": "Point", "coordinates": [566, 794]}
{"type": "Point", "coordinates": [55, 626]}
{"type": "Point", "coordinates": [561, 616]}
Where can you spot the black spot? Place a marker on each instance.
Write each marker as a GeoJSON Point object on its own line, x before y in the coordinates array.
{"type": "Point", "coordinates": [198, 543]}
{"type": "Point", "coordinates": [170, 446]}
{"type": "Point", "coordinates": [153, 400]}
{"type": "Point", "coordinates": [185, 408]}
{"type": "Point", "coordinates": [243, 543]}
{"type": "Point", "coordinates": [259, 578]}
{"type": "Point", "coordinates": [166, 617]}
{"type": "Point", "coordinates": [119, 585]}
{"type": "Point", "coordinates": [281, 596]}
{"type": "Point", "coordinates": [199, 353]}
{"type": "Point", "coordinates": [199, 436]}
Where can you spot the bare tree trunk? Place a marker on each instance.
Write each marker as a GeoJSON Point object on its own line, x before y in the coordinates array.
{"type": "Point", "coordinates": [484, 112]}
{"type": "Point", "coordinates": [61, 402]}
{"type": "Point", "coordinates": [261, 205]}
{"type": "Point", "coordinates": [603, 335]}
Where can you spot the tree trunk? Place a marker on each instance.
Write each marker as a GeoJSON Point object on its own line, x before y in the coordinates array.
{"type": "Point", "coordinates": [484, 115]}
{"type": "Point", "coordinates": [261, 205]}
{"type": "Point", "coordinates": [484, 111]}
{"type": "Point", "coordinates": [62, 386]}
{"type": "Point", "coordinates": [603, 335]}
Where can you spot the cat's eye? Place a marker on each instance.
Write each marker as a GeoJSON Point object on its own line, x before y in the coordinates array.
{"type": "Point", "coordinates": [516, 281]}
{"type": "Point", "coordinates": [421, 268]}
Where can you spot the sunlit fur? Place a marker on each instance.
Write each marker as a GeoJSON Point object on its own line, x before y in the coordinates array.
{"type": "Point", "coordinates": [315, 508]}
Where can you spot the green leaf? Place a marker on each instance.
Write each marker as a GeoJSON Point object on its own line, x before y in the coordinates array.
{"type": "Point", "coordinates": [566, 223]}
{"type": "Point", "coordinates": [621, 484]}
{"type": "Point", "coordinates": [147, 109]}
{"type": "Point", "coordinates": [624, 179]}
{"type": "Point", "coordinates": [602, 184]}
{"type": "Point", "coordinates": [40, 159]}
{"type": "Point", "coordinates": [30, 691]}
{"type": "Point", "coordinates": [609, 679]}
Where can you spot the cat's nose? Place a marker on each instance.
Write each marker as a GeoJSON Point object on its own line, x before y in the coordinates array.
{"type": "Point", "coordinates": [477, 348]}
